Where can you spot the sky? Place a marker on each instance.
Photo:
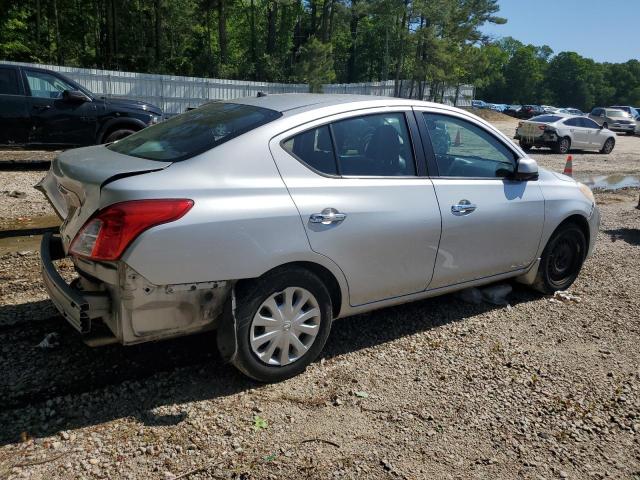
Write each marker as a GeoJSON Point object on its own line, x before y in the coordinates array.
{"type": "Point", "coordinates": [605, 30]}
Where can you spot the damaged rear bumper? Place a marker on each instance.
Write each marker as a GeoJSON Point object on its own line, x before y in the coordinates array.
{"type": "Point", "coordinates": [76, 306]}
{"type": "Point", "coordinates": [133, 309]}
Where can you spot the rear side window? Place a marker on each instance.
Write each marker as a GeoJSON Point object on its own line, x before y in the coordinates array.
{"type": "Point", "coordinates": [314, 147]}
{"type": "Point", "coordinates": [194, 132]}
{"type": "Point", "coordinates": [8, 82]}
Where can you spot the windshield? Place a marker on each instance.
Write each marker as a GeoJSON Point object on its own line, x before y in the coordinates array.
{"type": "Point", "coordinates": [194, 132]}
{"type": "Point", "coordinates": [616, 113]}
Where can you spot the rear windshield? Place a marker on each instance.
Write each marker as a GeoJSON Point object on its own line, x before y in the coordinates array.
{"type": "Point", "coordinates": [546, 118]}
{"type": "Point", "coordinates": [194, 132]}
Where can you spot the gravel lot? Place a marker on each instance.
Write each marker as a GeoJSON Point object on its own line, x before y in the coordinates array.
{"type": "Point", "coordinates": [542, 388]}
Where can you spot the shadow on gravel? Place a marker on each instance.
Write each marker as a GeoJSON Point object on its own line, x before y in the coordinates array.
{"type": "Point", "coordinates": [44, 391]}
{"type": "Point", "coordinates": [629, 235]}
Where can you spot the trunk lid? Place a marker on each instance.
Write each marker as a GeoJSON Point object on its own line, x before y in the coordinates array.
{"type": "Point", "coordinates": [75, 180]}
{"type": "Point", "coordinates": [531, 130]}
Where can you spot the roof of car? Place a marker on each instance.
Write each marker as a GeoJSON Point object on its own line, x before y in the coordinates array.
{"type": "Point", "coordinates": [284, 102]}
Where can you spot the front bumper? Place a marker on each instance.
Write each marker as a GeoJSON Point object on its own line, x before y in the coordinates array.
{"type": "Point", "coordinates": [78, 307]}
{"type": "Point", "coordinates": [618, 127]}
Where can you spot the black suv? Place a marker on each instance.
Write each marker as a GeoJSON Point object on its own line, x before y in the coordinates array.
{"type": "Point", "coordinates": [41, 108]}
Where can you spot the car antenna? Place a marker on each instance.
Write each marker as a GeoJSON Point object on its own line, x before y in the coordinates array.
{"type": "Point", "coordinates": [261, 94]}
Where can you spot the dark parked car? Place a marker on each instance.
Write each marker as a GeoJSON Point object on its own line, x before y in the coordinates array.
{"type": "Point", "coordinates": [528, 111]}
{"type": "Point", "coordinates": [44, 108]}
{"type": "Point", "coordinates": [512, 110]}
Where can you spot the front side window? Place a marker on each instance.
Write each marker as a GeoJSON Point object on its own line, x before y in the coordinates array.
{"type": "Point", "coordinates": [194, 132]}
{"type": "Point", "coordinates": [8, 82]}
{"type": "Point", "coordinates": [314, 148]}
{"type": "Point", "coordinates": [462, 149]}
{"type": "Point", "coordinates": [374, 145]}
{"type": "Point", "coordinates": [45, 85]}
{"type": "Point", "coordinates": [546, 118]}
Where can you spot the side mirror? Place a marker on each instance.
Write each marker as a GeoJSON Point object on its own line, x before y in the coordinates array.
{"type": "Point", "coordinates": [74, 96]}
{"type": "Point", "coordinates": [527, 169]}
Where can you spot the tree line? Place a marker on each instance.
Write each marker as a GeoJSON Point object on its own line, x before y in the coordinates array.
{"type": "Point", "coordinates": [417, 43]}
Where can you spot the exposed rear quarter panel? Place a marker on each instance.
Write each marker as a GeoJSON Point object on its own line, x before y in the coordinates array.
{"type": "Point", "coordinates": [243, 222]}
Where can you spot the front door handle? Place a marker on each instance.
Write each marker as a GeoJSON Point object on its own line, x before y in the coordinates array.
{"type": "Point", "coordinates": [464, 207]}
{"type": "Point", "coordinates": [327, 216]}
{"type": "Point", "coordinates": [41, 107]}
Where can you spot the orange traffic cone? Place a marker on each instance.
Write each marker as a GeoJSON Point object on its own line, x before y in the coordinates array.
{"type": "Point", "coordinates": [568, 168]}
{"type": "Point", "coordinates": [458, 140]}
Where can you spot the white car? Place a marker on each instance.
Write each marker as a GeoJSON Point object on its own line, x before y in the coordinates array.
{"type": "Point", "coordinates": [562, 132]}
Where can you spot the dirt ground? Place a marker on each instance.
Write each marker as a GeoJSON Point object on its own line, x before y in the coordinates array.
{"type": "Point", "coordinates": [440, 389]}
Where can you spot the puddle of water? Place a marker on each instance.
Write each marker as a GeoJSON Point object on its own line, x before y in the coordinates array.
{"type": "Point", "coordinates": [20, 244]}
{"type": "Point", "coordinates": [42, 221]}
{"type": "Point", "coordinates": [612, 182]}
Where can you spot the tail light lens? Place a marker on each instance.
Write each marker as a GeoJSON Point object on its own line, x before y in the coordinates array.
{"type": "Point", "coordinates": [107, 234]}
{"type": "Point", "coordinates": [541, 127]}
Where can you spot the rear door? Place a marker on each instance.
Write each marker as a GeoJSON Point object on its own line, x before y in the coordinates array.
{"type": "Point", "coordinates": [14, 114]}
{"type": "Point", "coordinates": [490, 223]}
{"type": "Point", "coordinates": [55, 121]}
{"type": "Point", "coordinates": [364, 200]}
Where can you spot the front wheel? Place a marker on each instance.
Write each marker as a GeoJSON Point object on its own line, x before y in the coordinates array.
{"type": "Point", "coordinates": [563, 145]}
{"type": "Point", "coordinates": [561, 259]}
{"type": "Point", "coordinates": [118, 135]}
{"type": "Point", "coordinates": [283, 321]}
{"type": "Point", "coordinates": [607, 148]}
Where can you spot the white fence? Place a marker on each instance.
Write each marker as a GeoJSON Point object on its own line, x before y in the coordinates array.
{"type": "Point", "coordinates": [174, 94]}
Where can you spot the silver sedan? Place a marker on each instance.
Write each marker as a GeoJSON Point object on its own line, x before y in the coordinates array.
{"type": "Point", "coordinates": [267, 218]}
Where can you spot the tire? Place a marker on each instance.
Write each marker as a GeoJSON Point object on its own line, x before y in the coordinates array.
{"type": "Point", "coordinates": [631, 134]}
{"type": "Point", "coordinates": [525, 146]}
{"type": "Point", "coordinates": [118, 135]}
{"type": "Point", "coordinates": [563, 145]}
{"type": "Point", "coordinates": [262, 359]}
{"type": "Point", "coordinates": [561, 259]}
{"type": "Point", "coordinates": [607, 148]}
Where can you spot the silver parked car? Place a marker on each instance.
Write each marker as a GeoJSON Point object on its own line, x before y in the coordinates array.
{"type": "Point", "coordinates": [267, 218]}
{"type": "Point", "coordinates": [614, 119]}
{"type": "Point", "coordinates": [562, 132]}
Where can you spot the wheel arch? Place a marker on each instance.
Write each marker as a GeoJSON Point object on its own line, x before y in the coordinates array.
{"type": "Point", "coordinates": [580, 220]}
{"type": "Point", "coordinates": [118, 123]}
{"type": "Point", "coordinates": [323, 273]}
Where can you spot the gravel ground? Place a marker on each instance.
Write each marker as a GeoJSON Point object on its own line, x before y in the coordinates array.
{"type": "Point", "coordinates": [542, 388]}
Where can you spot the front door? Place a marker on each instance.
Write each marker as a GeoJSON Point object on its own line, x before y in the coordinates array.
{"type": "Point", "coordinates": [14, 115]}
{"type": "Point", "coordinates": [490, 224]}
{"type": "Point", "coordinates": [580, 135]}
{"type": "Point", "coordinates": [353, 179]}
{"type": "Point", "coordinates": [55, 121]}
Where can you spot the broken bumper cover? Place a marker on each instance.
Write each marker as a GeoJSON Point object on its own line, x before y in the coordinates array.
{"type": "Point", "coordinates": [78, 307]}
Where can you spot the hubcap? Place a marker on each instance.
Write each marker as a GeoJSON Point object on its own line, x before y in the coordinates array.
{"type": "Point", "coordinates": [285, 326]}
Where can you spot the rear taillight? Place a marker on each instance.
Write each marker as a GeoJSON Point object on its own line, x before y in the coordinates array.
{"type": "Point", "coordinates": [541, 127]}
{"type": "Point", "coordinates": [108, 233]}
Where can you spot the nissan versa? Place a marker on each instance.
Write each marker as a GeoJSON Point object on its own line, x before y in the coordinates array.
{"type": "Point", "coordinates": [266, 218]}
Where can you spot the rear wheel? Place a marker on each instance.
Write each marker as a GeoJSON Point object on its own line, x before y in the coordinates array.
{"type": "Point", "coordinates": [608, 146]}
{"type": "Point", "coordinates": [118, 135]}
{"type": "Point", "coordinates": [563, 145]}
{"type": "Point", "coordinates": [561, 259]}
{"type": "Point", "coordinates": [526, 146]}
{"type": "Point", "coordinates": [283, 321]}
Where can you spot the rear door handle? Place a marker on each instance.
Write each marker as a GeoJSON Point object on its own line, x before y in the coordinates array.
{"type": "Point", "coordinates": [41, 107]}
{"type": "Point", "coordinates": [327, 216]}
{"type": "Point", "coordinates": [464, 207]}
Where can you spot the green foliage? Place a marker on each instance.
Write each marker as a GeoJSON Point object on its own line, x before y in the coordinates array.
{"type": "Point", "coordinates": [259, 423]}
{"type": "Point", "coordinates": [419, 42]}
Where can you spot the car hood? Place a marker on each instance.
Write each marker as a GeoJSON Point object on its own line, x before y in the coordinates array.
{"type": "Point", "coordinates": [133, 104]}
